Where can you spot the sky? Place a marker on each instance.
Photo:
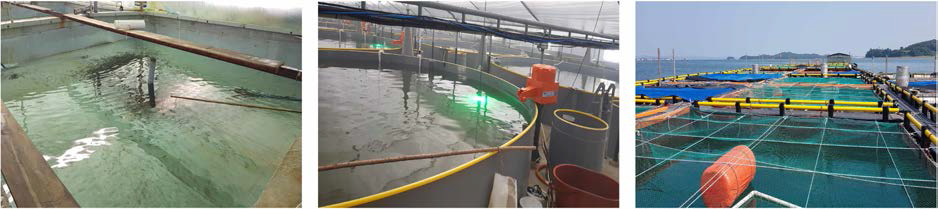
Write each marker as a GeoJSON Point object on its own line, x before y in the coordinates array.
{"type": "Point", "coordinates": [722, 29]}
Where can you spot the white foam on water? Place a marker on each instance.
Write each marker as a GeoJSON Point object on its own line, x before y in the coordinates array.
{"type": "Point", "coordinates": [84, 147]}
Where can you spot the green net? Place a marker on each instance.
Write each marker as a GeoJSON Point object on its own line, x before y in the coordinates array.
{"type": "Point", "coordinates": [812, 93]}
{"type": "Point", "coordinates": [821, 80]}
{"type": "Point", "coordinates": [810, 162]}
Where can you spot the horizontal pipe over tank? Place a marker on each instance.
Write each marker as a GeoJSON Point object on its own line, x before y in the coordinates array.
{"type": "Point", "coordinates": [266, 65]}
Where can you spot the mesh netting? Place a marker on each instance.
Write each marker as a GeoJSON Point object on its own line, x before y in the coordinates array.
{"type": "Point", "coordinates": [811, 93]}
{"type": "Point", "coordinates": [821, 80]}
{"type": "Point", "coordinates": [810, 162]}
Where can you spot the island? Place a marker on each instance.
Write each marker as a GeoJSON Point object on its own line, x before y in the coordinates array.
{"type": "Point", "coordinates": [924, 48]}
{"type": "Point", "coordinates": [783, 55]}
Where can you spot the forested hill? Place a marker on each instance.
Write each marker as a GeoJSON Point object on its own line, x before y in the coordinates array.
{"type": "Point", "coordinates": [783, 55]}
{"type": "Point", "coordinates": [925, 48]}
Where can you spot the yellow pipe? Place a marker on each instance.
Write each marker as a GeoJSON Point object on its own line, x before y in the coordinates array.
{"type": "Point", "coordinates": [915, 122]}
{"type": "Point", "coordinates": [930, 107]}
{"type": "Point", "coordinates": [605, 126]}
{"type": "Point", "coordinates": [647, 97]}
{"type": "Point", "coordinates": [646, 100]}
{"type": "Point", "coordinates": [873, 104]}
{"type": "Point", "coordinates": [796, 107]}
{"type": "Point", "coordinates": [931, 136]}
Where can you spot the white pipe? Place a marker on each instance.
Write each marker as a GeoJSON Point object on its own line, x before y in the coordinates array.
{"type": "Point", "coordinates": [130, 24]}
{"type": "Point", "coordinates": [767, 197]}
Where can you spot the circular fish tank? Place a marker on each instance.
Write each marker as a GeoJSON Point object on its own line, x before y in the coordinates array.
{"type": "Point", "coordinates": [375, 105]}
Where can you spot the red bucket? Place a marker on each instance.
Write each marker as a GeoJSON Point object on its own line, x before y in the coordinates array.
{"type": "Point", "coordinates": [578, 187]}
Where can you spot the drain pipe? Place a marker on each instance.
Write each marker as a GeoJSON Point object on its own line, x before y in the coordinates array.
{"type": "Point", "coordinates": [150, 90]}
{"type": "Point", "coordinates": [482, 54]}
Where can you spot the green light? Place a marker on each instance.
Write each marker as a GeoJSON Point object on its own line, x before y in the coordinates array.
{"type": "Point", "coordinates": [478, 98]}
{"type": "Point", "coordinates": [377, 46]}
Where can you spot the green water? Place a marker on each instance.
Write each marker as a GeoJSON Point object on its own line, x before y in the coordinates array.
{"type": "Point", "coordinates": [640, 109]}
{"type": "Point", "coordinates": [810, 162]}
{"type": "Point", "coordinates": [371, 114]}
{"type": "Point", "coordinates": [87, 112]}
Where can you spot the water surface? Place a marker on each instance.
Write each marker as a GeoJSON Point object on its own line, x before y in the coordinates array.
{"type": "Point", "coordinates": [371, 114]}
{"type": "Point", "coordinates": [88, 113]}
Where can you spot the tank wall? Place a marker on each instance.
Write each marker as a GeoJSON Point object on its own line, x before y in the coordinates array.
{"type": "Point", "coordinates": [469, 187]}
{"type": "Point", "coordinates": [289, 19]}
{"type": "Point", "coordinates": [45, 38]}
{"type": "Point", "coordinates": [271, 45]}
{"type": "Point", "coordinates": [20, 40]}
{"type": "Point", "coordinates": [20, 13]}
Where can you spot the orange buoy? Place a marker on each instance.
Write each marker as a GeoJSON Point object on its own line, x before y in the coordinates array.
{"type": "Point", "coordinates": [541, 86]}
{"type": "Point", "coordinates": [728, 177]}
{"type": "Point", "coordinates": [400, 40]}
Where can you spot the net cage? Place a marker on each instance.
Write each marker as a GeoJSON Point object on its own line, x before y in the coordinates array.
{"type": "Point", "coordinates": [810, 162]}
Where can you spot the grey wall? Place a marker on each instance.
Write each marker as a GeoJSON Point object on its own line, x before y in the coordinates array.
{"type": "Point", "coordinates": [21, 40]}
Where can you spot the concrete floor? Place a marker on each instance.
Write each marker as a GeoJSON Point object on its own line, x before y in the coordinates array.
{"type": "Point", "coordinates": [285, 187]}
{"type": "Point", "coordinates": [610, 167]}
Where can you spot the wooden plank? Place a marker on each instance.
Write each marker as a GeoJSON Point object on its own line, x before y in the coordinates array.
{"type": "Point", "coordinates": [32, 182]}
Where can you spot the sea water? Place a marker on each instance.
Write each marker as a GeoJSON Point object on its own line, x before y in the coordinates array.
{"type": "Point", "coordinates": [648, 69]}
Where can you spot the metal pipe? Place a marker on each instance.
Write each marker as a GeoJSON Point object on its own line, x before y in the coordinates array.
{"type": "Point", "coordinates": [673, 64]}
{"type": "Point", "coordinates": [442, 6]}
{"type": "Point", "coordinates": [659, 62]}
{"type": "Point", "coordinates": [529, 11]}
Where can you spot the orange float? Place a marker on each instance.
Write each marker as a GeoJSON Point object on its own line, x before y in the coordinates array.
{"type": "Point", "coordinates": [541, 86]}
{"type": "Point", "coordinates": [728, 177]}
{"type": "Point", "coordinates": [400, 40]}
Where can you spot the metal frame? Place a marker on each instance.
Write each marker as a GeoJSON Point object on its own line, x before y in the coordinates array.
{"type": "Point", "coordinates": [499, 17]}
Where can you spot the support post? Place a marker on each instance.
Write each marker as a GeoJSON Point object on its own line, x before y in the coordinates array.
{"type": "Point", "coordinates": [408, 43]}
{"type": "Point", "coordinates": [482, 55]}
{"type": "Point", "coordinates": [535, 155]}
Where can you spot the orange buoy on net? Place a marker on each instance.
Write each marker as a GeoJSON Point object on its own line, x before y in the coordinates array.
{"type": "Point", "coordinates": [728, 177]}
